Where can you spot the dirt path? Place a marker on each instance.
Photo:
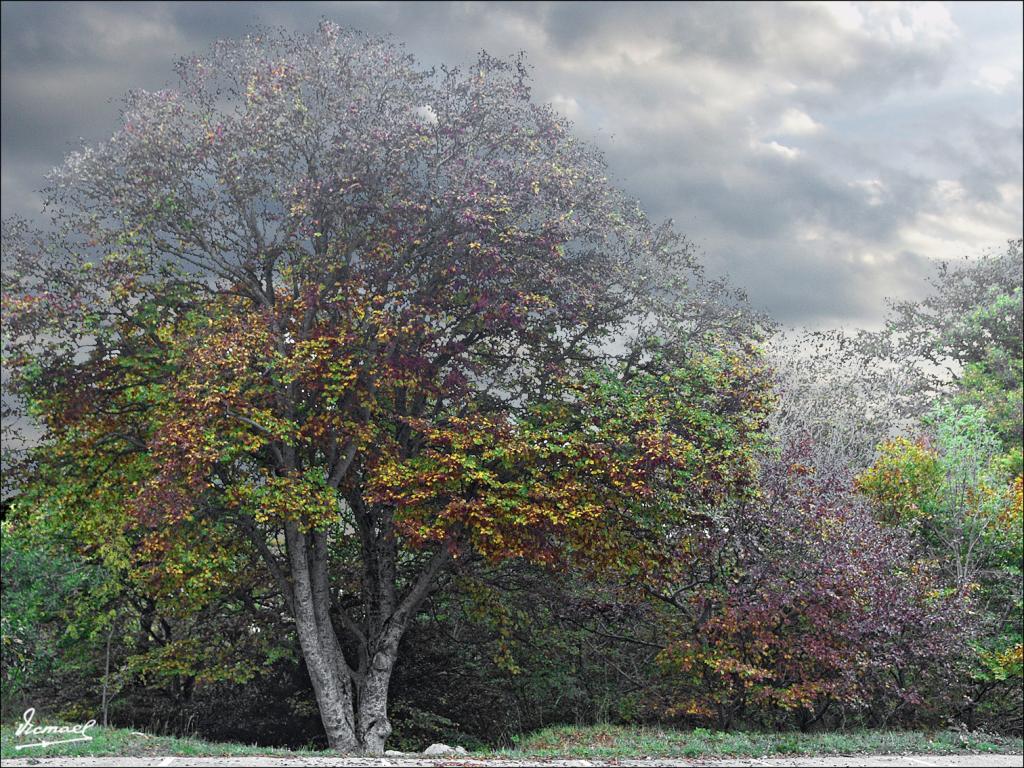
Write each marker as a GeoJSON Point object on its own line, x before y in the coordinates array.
{"type": "Point", "coordinates": [884, 761]}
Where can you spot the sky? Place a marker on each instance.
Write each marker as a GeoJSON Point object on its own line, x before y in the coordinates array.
{"type": "Point", "coordinates": [822, 155]}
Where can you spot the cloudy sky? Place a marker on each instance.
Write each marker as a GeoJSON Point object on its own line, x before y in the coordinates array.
{"type": "Point", "coordinates": [822, 155]}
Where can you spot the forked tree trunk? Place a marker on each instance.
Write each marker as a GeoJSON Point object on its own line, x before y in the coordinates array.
{"type": "Point", "coordinates": [355, 717]}
{"type": "Point", "coordinates": [352, 700]}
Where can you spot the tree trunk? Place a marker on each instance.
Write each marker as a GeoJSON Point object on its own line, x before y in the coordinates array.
{"type": "Point", "coordinates": [106, 669]}
{"type": "Point", "coordinates": [352, 698]}
{"type": "Point", "coordinates": [355, 718]}
{"type": "Point", "coordinates": [333, 692]}
{"type": "Point", "coordinates": [328, 671]}
{"type": "Point", "coordinates": [373, 724]}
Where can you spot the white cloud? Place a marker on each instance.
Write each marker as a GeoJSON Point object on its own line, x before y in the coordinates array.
{"type": "Point", "coordinates": [566, 105]}
{"type": "Point", "coordinates": [995, 78]}
{"type": "Point", "coordinates": [794, 122]}
{"type": "Point", "coordinates": [775, 149]}
{"type": "Point", "coordinates": [956, 223]}
{"type": "Point", "coordinates": [846, 15]}
{"type": "Point", "coordinates": [914, 23]}
{"type": "Point", "coordinates": [874, 190]}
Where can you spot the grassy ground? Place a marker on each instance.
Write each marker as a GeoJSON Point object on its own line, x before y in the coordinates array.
{"type": "Point", "coordinates": [121, 742]}
{"type": "Point", "coordinates": [611, 741]}
{"type": "Point", "coordinates": [605, 741]}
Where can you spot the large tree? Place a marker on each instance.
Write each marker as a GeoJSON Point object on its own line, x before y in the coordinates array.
{"type": "Point", "coordinates": [322, 312]}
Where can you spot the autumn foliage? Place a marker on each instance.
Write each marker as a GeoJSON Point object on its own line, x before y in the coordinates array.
{"type": "Point", "coordinates": [324, 315]}
{"type": "Point", "coordinates": [321, 342]}
{"type": "Point", "coordinates": [802, 601]}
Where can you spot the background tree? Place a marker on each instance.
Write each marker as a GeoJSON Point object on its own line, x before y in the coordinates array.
{"type": "Point", "coordinates": [965, 339]}
{"type": "Point", "coordinates": [950, 492]}
{"type": "Point", "coordinates": [959, 483]}
{"type": "Point", "coordinates": [327, 314]}
{"type": "Point", "coordinates": [837, 401]}
{"type": "Point", "coordinates": [798, 605]}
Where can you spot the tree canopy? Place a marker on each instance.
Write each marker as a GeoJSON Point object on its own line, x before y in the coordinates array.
{"type": "Point", "coordinates": [324, 315]}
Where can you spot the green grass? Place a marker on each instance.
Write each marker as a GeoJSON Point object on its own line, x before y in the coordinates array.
{"type": "Point", "coordinates": [123, 742]}
{"type": "Point", "coordinates": [611, 741]}
{"type": "Point", "coordinates": [601, 741]}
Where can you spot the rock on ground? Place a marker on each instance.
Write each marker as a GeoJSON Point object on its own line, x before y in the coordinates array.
{"type": "Point", "coordinates": [443, 749]}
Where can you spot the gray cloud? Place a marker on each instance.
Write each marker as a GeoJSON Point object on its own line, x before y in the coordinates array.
{"type": "Point", "coordinates": [822, 155]}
